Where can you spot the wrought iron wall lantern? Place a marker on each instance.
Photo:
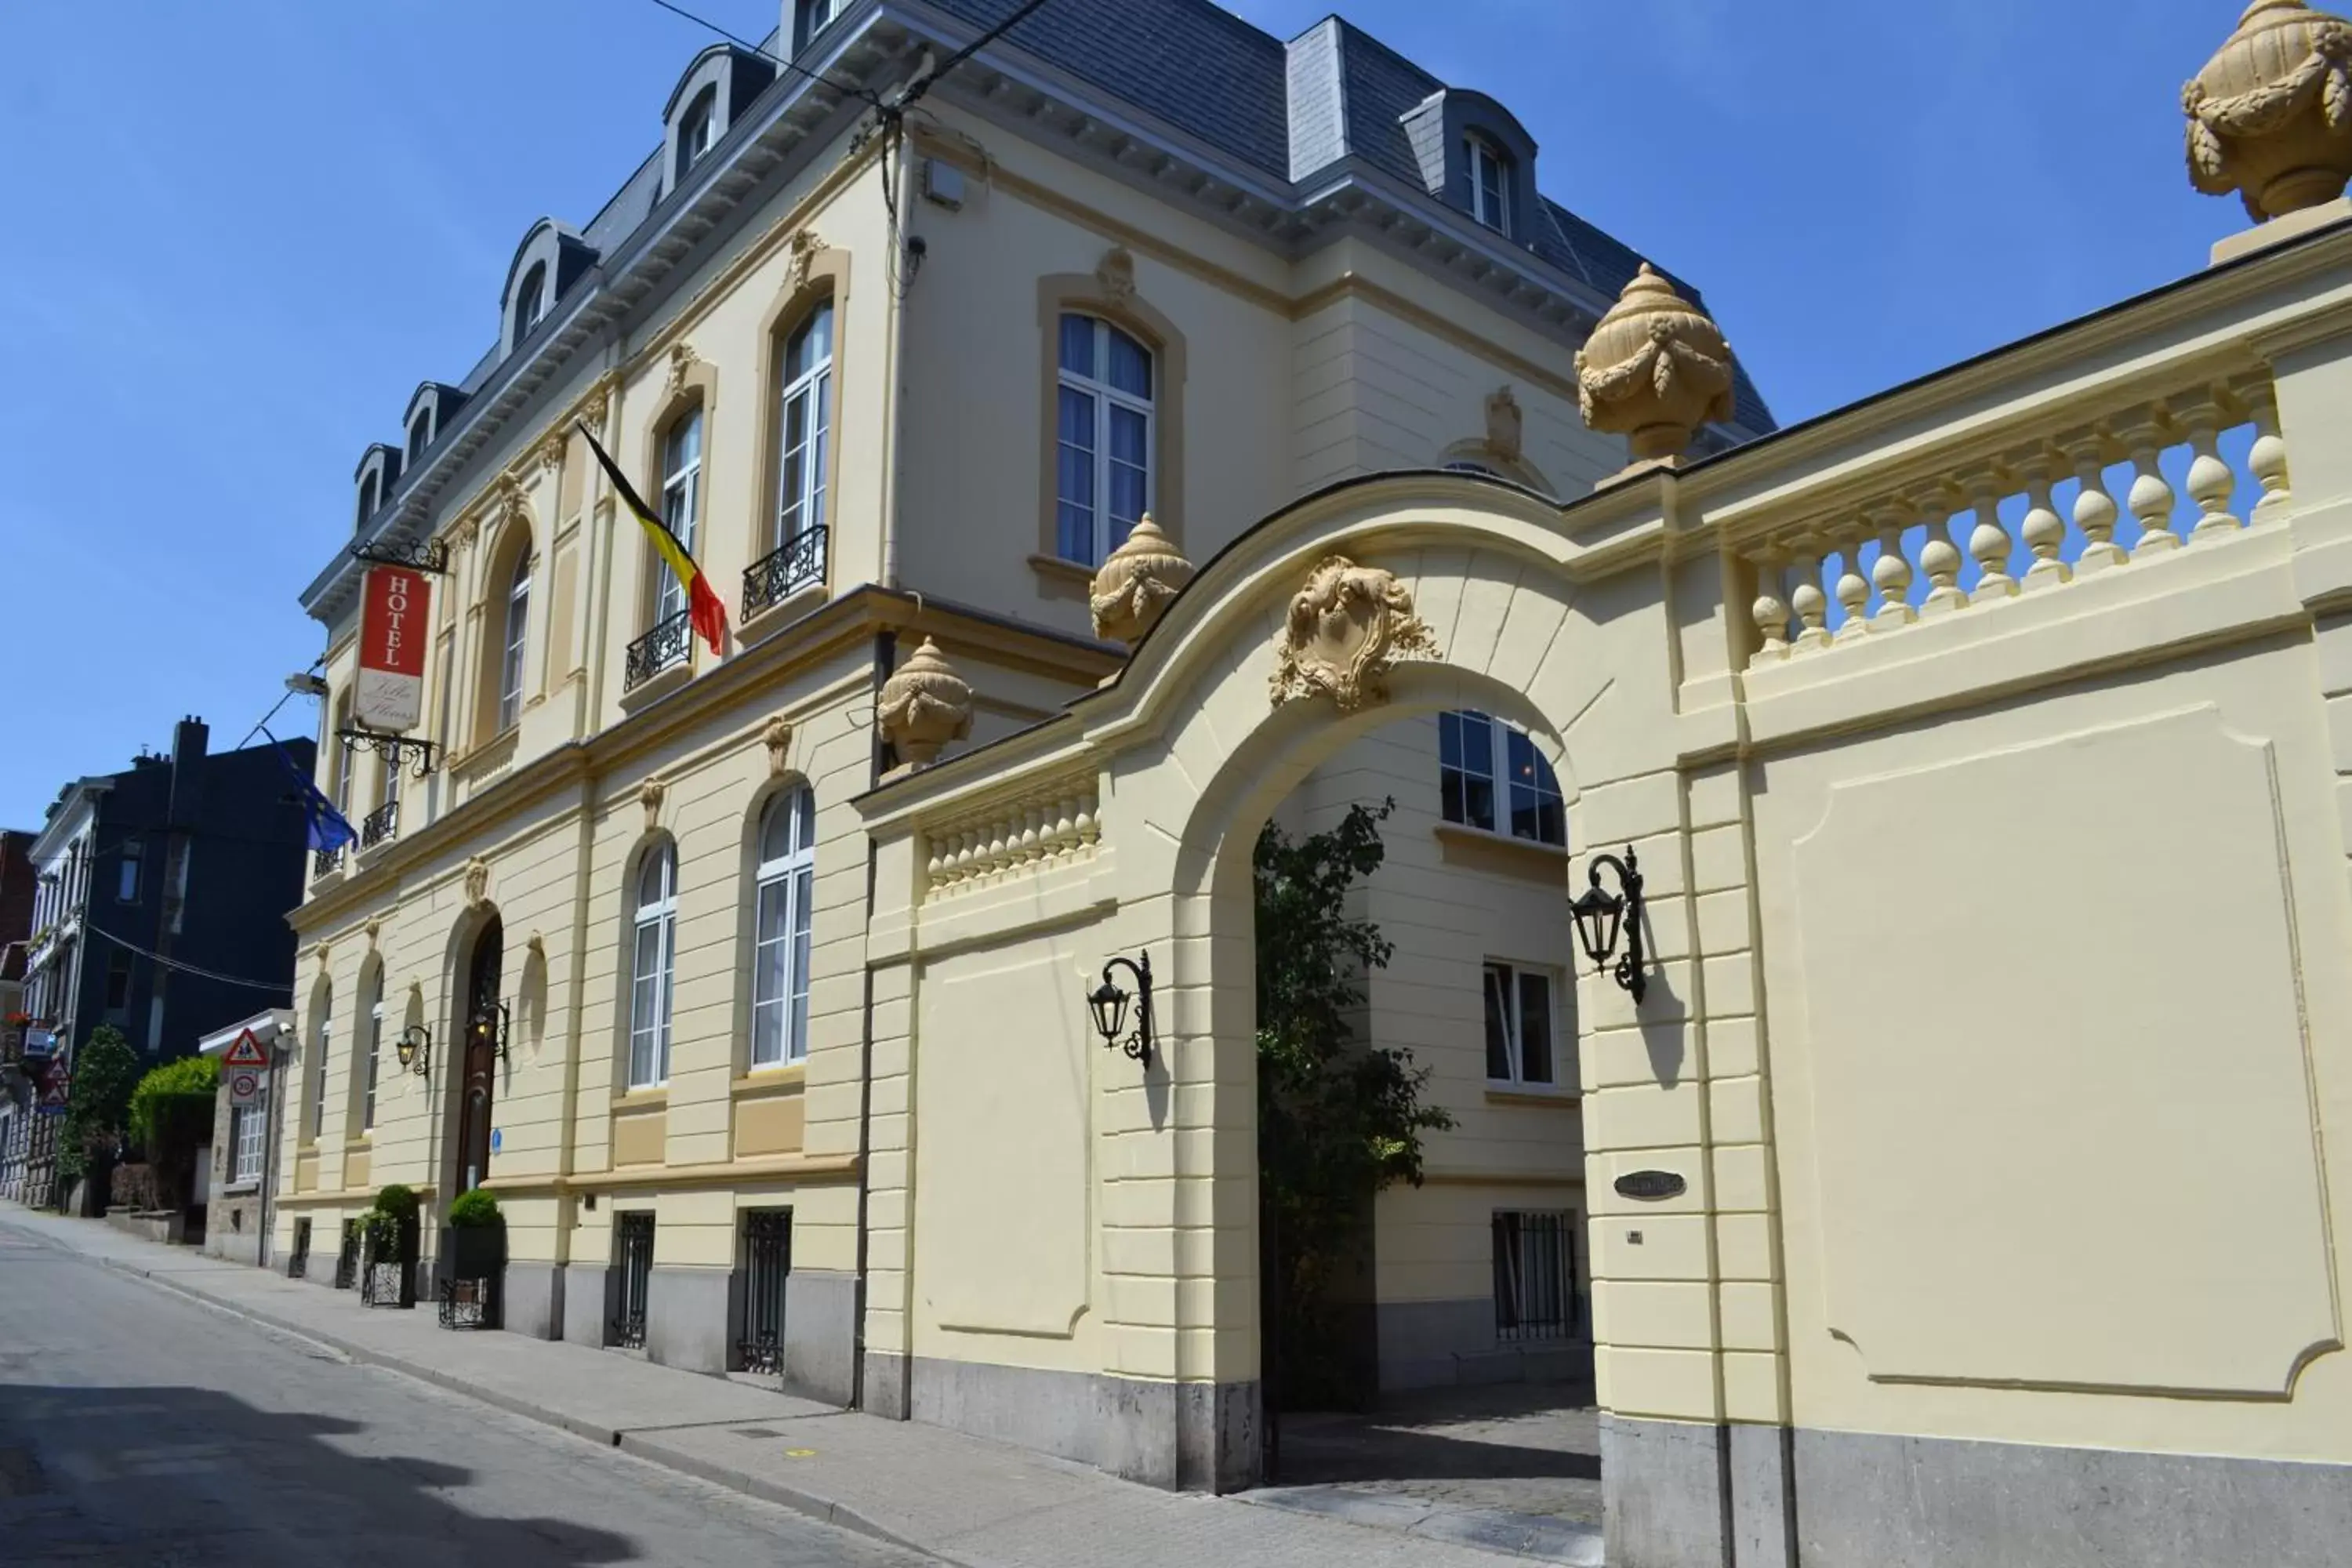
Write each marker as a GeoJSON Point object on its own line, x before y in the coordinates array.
{"type": "Point", "coordinates": [414, 1048]}
{"type": "Point", "coordinates": [1601, 917]}
{"type": "Point", "coordinates": [392, 748]}
{"type": "Point", "coordinates": [1109, 1003]}
{"type": "Point", "coordinates": [491, 1024]}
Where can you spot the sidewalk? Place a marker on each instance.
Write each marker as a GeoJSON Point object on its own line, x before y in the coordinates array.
{"type": "Point", "coordinates": [963, 1499]}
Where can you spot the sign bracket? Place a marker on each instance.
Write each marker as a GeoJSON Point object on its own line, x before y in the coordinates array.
{"type": "Point", "coordinates": [393, 747]}
{"type": "Point", "coordinates": [430, 556]}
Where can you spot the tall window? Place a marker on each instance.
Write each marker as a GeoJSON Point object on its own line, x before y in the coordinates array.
{"type": "Point", "coordinates": [1490, 185]}
{"type": "Point", "coordinates": [810, 17]}
{"type": "Point", "coordinates": [780, 962]}
{"type": "Point", "coordinates": [420, 434]}
{"type": "Point", "coordinates": [375, 1055]}
{"type": "Point", "coordinates": [245, 1137]}
{"type": "Point", "coordinates": [318, 1068]}
{"type": "Point", "coordinates": [367, 499]}
{"type": "Point", "coordinates": [388, 782]}
{"type": "Point", "coordinates": [118, 981]}
{"type": "Point", "coordinates": [1535, 1274]}
{"type": "Point", "coordinates": [342, 756]}
{"type": "Point", "coordinates": [681, 503]}
{"type": "Point", "coordinates": [126, 883]}
{"type": "Point", "coordinates": [1518, 1024]}
{"type": "Point", "coordinates": [698, 132]}
{"type": "Point", "coordinates": [1104, 437]}
{"type": "Point", "coordinates": [656, 952]}
{"type": "Point", "coordinates": [531, 301]}
{"type": "Point", "coordinates": [807, 426]}
{"type": "Point", "coordinates": [518, 627]}
{"type": "Point", "coordinates": [1473, 752]}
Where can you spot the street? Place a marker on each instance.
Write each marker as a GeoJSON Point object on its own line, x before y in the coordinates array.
{"type": "Point", "coordinates": [142, 1430]}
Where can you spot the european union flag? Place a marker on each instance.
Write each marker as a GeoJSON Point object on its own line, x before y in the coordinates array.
{"type": "Point", "coordinates": [328, 827]}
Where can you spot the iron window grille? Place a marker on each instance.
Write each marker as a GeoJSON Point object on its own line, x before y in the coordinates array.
{"type": "Point", "coordinates": [783, 572]}
{"type": "Point", "coordinates": [767, 1264]}
{"type": "Point", "coordinates": [380, 824]}
{"type": "Point", "coordinates": [1535, 1275]}
{"type": "Point", "coordinates": [347, 1257]}
{"type": "Point", "coordinates": [298, 1265]}
{"type": "Point", "coordinates": [669, 642]}
{"type": "Point", "coordinates": [326, 860]}
{"type": "Point", "coordinates": [633, 1258]}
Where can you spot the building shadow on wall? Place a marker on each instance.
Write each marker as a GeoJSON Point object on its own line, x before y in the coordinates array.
{"type": "Point", "coordinates": [175, 1475]}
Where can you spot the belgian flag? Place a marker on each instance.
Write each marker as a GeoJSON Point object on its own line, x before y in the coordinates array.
{"type": "Point", "coordinates": [704, 612]}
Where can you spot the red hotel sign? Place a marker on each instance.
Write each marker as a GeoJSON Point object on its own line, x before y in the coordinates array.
{"type": "Point", "coordinates": [392, 621]}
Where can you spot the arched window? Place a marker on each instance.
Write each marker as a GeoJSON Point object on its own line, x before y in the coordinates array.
{"type": "Point", "coordinates": [780, 959]}
{"type": "Point", "coordinates": [367, 493]}
{"type": "Point", "coordinates": [420, 434]}
{"type": "Point", "coordinates": [681, 503]}
{"type": "Point", "coordinates": [517, 629]}
{"type": "Point", "coordinates": [807, 426]}
{"type": "Point", "coordinates": [1105, 437]}
{"type": "Point", "coordinates": [531, 301]}
{"type": "Point", "coordinates": [342, 753]}
{"type": "Point", "coordinates": [1491, 775]}
{"type": "Point", "coordinates": [371, 1020]}
{"type": "Point", "coordinates": [318, 1121]}
{"type": "Point", "coordinates": [698, 132]}
{"type": "Point", "coordinates": [655, 950]}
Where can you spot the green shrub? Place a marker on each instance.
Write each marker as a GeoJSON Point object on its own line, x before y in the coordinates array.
{"type": "Point", "coordinates": [184, 1089]}
{"type": "Point", "coordinates": [396, 1202]}
{"type": "Point", "coordinates": [473, 1210]}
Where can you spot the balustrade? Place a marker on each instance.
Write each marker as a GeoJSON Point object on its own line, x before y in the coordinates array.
{"type": "Point", "coordinates": [1939, 545]}
{"type": "Point", "coordinates": [1043, 829]}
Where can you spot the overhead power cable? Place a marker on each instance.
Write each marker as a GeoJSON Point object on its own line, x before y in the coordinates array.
{"type": "Point", "coordinates": [864, 94]}
{"type": "Point", "coordinates": [285, 986]}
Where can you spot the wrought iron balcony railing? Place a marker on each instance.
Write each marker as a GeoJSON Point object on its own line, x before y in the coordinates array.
{"type": "Point", "coordinates": [379, 824]}
{"type": "Point", "coordinates": [798, 562]}
{"type": "Point", "coordinates": [669, 642]}
{"type": "Point", "coordinates": [326, 860]}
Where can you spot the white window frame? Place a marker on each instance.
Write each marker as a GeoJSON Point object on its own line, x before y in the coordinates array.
{"type": "Point", "coordinates": [1506, 975]}
{"type": "Point", "coordinates": [697, 136]}
{"type": "Point", "coordinates": [1502, 780]}
{"type": "Point", "coordinates": [325, 1035]}
{"type": "Point", "coordinates": [1492, 208]}
{"type": "Point", "coordinates": [1106, 397]}
{"type": "Point", "coordinates": [800, 508]}
{"type": "Point", "coordinates": [420, 434]}
{"type": "Point", "coordinates": [244, 1139]}
{"type": "Point", "coordinates": [342, 756]}
{"type": "Point", "coordinates": [375, 1062]}
{"type": "Point", "coordinates": [515, 641]}
{"type": "Point", "coordinates": [126, 876]}
{"type": "Point", "coordinates": [810, 17]}
{"type": "Point", "coordinates": [532, 307]}
{"type": "Point", "coordinates": [780, 982]}
{"type": "Point", "coordinates": [681, 506]}
{"type": "Point", "coordinates": [657, 918]}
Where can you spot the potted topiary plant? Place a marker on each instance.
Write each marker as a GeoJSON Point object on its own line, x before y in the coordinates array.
{"type": "Point", "coordinates": [474, 1249]}
{"type": "Point", "coordinates": [389, 1232]}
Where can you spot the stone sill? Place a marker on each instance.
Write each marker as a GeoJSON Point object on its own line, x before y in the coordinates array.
{"type": "Point", "coordinates": [1482, 849]}
{"type": "Point", "coordinates": [803, 600]}
{"type": "Point", "coordinates": [660, 684]}
{"type": "Point", "coordinates": [1529, 1094]}
{"type": "Point", "coordinates": [770, 1080]}
{"type": "Point", "coordinates": [641, 1098]}
{"type": "Point", "coordinates": [1060, 579]}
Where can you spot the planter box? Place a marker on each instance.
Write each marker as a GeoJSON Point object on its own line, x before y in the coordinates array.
{"type": "Point", "coordinates": [471, 1270]}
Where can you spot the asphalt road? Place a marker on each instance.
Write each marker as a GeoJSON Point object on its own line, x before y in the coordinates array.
{"type": "Point", "coordinates": [140, 1429]}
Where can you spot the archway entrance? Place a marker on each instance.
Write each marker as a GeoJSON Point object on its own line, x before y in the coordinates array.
{"type": "Point", "coordinates": [479, 1063]}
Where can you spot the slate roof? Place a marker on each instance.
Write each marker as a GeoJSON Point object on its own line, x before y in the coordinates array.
{"type": "Point", "coordinates": [1203, 70]}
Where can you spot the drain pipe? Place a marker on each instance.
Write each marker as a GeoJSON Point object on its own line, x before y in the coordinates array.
{"type": "Point", "coordinates": [885, 657]}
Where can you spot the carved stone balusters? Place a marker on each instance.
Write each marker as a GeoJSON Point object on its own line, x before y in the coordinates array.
{"type": "Point", "coordinates": [1988, 541]}
{"type": "Point", "coordinates": [2151, 496]}
{"type": "Point", "coordinates": [1891, 574]}
{"type": "Point", "coordinates": [2267, 457]}
{"type": "Point", "coordinates": [1769, 610]}
{"type": "Point", "coordinates": [1939, 558]}
{"type": "Point", "coordinates": [2210, 482]}
{"type": "Point", "coordinates": [2095, 509]}
{"type": "Point", "coordinates": [2043, 530]}
{"type": "Point", "coordinates": [1813, 606]}
{"type": "Point", "coordinates": [1853, 587]}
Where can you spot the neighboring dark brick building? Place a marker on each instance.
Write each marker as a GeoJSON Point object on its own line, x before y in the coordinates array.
{"type": "Point", "coordinates": [162, 904]}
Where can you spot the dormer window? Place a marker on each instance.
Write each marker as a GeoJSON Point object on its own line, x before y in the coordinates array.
{"type": "Point", "coordinates": [1490, 183]}
{"type": "Point", "coordinates": [810, 17]}
{"type": "Point", "coordinates": [531, 301]}
{"type": "Point", "coordinates": [420, 434]}
{"type": "Point", "coordinates": [698, 132]}
{"type": "Point", "coordinates": [368, 499]}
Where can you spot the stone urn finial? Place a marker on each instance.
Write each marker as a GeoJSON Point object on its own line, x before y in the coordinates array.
{"type": "Point", "coordinates": [2270, 116]}
{"type": "Point", "coordinates": [1136, 583]}
{"type": "Point", "coordinates": [1654, 369]}
{"type": "Point", "coordinates": [925, 704]}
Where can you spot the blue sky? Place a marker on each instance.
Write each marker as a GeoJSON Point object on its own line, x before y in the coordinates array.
{"type": "Point", "coordinates": [244, 231]}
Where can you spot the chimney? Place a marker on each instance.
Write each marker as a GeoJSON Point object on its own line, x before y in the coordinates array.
{"type": "Point", "coordinates": [188, 771]}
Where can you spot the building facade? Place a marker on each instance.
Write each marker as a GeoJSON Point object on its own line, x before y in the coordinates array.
{"type": "Point", "coordinates": [160, 905]}
{"type": "Point", "coordinates": [17, 885]}
{"type": "Point", "coordinates": [637, 858]}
